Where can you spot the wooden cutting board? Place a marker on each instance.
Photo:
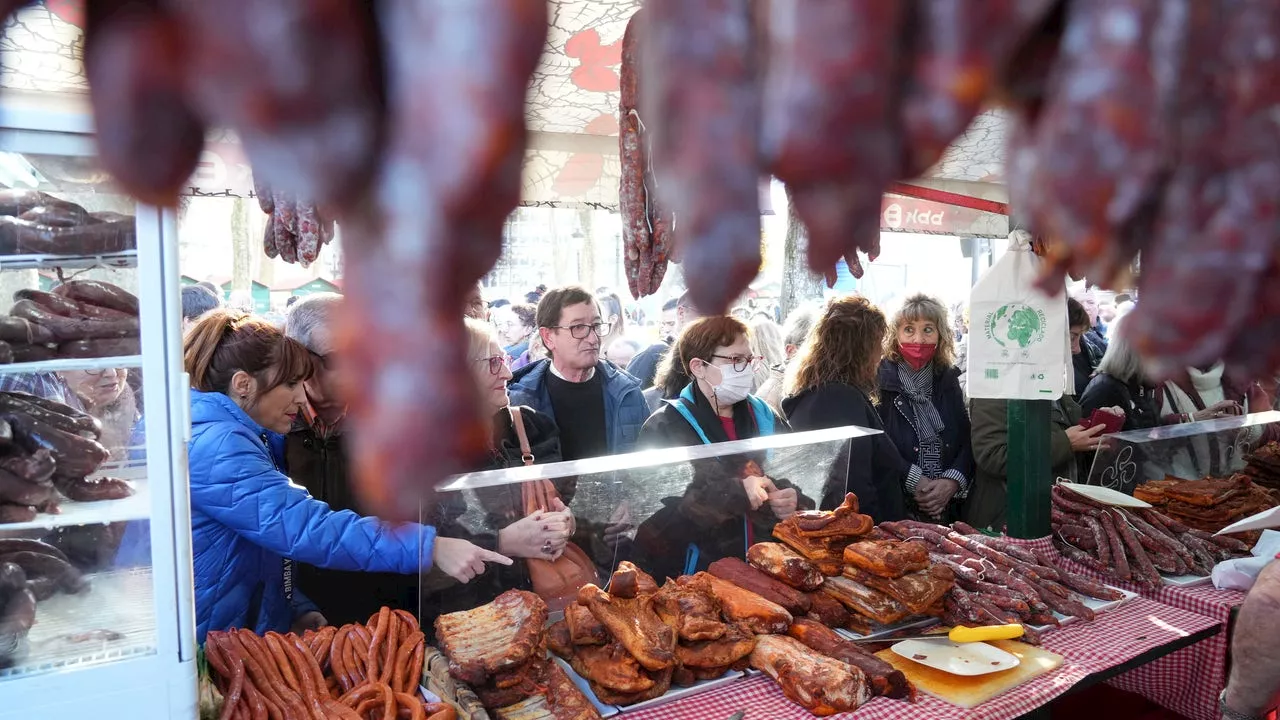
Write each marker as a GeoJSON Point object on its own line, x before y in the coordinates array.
{"type": "Point", "coordinates": [974, 690]}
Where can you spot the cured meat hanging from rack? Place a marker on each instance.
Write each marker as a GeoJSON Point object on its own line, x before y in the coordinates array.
{"type": "Point", "coordinates": [647, 227]}
{"type": "Point", "coordinates": [301, 84]}
{"type": "Point", "coordinates": [149, 135]}
{"type": "Point", "coordinates": [633, 194]}
{"type": "Point", "coordinates": [701, 87]}
{"type": "Point", "coordinates": [434, 223]}
{"type": "Point", "coordinates": [406, 118]}
{"type": "Point", "coordinates": [828, 128]}
{"type": "Point", "coordinates": [295, 230]}
{"type": "Point", "coordinates": [962, 48]}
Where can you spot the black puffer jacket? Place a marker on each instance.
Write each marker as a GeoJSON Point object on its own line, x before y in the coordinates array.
{"type": "Point", "coordinates": [709, 513]}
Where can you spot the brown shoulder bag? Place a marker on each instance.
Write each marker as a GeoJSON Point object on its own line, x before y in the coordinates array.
{"type": "Point", "coordinates": [555, 581]}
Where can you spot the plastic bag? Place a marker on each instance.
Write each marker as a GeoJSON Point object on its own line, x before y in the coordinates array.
{"type": "Point", "coordinates": [1019, 346]}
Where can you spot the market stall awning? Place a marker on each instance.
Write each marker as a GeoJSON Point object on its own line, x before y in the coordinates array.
{"type": "Point", "coordinates": [571, 107]}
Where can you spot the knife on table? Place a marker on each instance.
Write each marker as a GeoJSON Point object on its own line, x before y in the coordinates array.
{"type": "Point", "coordinates": [959, 634]}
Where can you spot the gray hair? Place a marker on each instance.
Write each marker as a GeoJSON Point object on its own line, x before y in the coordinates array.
{"type": "Point", "coordinates": [309, 313]}
{"type": "Point", "coordinates": [1121, 361]}
{"type": "Point", "coordinates": [799, 322]}
{"type": "Point", "coordinates": [198, 300]}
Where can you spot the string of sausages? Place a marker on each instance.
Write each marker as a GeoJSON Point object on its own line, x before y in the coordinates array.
{"type": "Point", "coordinates": [647, 229]}
{"type": "Point", "coordinates": [295, 230]}
{"type": "Point", "coordinates": [370, 671]}
{"type": "Point", "coordinates": [1134, 545]}
{"type": "Point", "coordinates": [1000, 582]}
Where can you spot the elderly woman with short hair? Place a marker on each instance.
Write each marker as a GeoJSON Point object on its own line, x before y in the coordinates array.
{"type": "Point", "coordinates": [1120, 383]}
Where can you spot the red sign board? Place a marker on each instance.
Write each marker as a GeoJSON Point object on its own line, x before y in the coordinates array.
{"type": "Point", "coordinates": [904, 214]}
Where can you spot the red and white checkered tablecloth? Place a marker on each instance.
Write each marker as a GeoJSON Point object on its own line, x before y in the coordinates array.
{"type": "Point", "coordinates": [1187, 682]}
{"type": "Point", "coordinates": [1115, 637]}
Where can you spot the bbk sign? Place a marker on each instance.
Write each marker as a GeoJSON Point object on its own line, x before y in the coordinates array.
{"type": "Point", "coordinates": [898, 217]}
{"type": "Point", "coordinates": [903, 214]}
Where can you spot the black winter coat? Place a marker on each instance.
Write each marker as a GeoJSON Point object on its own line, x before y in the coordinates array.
{"type": "Point", "coordinates": [948, 399]}
{"type": "Point", "coordinates": [1138, 400]}
{"type": "Point", "coordinates": [876, 468]}
{"type": "Point", "coordinates": [501, 505]}
{"type": "Point", "coordinates": [320, 465]}
{"type": "Point", "coordinates": [710, 512]}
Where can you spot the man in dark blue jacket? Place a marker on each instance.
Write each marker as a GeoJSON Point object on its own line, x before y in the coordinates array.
{"type": "Point", "coordinates": [598, 408]}
{"type": "Point", "coordinates": [676, 314]}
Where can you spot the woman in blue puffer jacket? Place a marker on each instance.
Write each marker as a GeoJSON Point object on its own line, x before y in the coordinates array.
{"type": "Point", "coordinates": [248, 521]}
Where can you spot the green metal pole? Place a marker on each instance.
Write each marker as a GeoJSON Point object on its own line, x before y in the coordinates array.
{"type": "Point", "coordinates": [1029, 471]}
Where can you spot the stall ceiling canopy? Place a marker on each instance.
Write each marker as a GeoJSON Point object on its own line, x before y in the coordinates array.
{"type": "Point", "coordinates": [571, 107]}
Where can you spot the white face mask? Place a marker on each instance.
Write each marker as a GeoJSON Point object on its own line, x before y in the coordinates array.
{"type": "Point", "coordinates": [734, 385]}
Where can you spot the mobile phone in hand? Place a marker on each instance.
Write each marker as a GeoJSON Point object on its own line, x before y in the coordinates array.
{"type": "Point", "coordinates": [1110, 421]}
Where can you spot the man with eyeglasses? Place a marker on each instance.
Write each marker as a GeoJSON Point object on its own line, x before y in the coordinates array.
{"type": "Point", "coordinates": [598, 408]}
{"type": "Point", "coordinates": [316, 459]}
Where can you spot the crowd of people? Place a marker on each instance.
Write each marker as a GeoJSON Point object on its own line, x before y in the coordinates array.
{"type": "Point", "coordinates": [280, 540]}
{"type": "Point", "coordinates": [278, 536]}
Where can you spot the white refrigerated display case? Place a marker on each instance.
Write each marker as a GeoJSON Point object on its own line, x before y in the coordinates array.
{"type": "Point", "coordinates": [125, 647]}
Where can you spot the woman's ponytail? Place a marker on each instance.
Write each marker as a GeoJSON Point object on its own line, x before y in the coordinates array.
{"type": "Point", "coordinates": [200, 344]}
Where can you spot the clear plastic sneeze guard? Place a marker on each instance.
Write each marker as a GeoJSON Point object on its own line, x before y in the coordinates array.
{"type": "Point", "coordinates": [668, 510]}
{"type": "Point", "coordinates": [95, 556]}
{"type": "Point", "coordinates": [1189, 451]}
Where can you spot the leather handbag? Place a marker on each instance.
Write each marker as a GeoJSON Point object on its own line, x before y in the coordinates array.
{"type": "Point", "coordinates": [555, 581]}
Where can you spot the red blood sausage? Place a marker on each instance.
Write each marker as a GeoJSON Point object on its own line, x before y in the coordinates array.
{"type": "Point", "coordinates": [300, 83]}
{"type": "Point", "coordinates": [1105, 129]}
{"type": "Point", "coordinates": [148, 137]}
{"type": "Point", "coordinates": [830, 130]}
{"type": "Point", "coordinates": [702, 92]}
{"type": "Point", "coordinates": [632, 193]}
{"type": "Point", "coordinates": [961, 46]}
{"type": "Point", "coordinates": [452, 176]}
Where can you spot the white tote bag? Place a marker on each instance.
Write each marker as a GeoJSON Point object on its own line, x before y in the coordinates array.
{"type": "Point", "coordinates": [1019, 346]}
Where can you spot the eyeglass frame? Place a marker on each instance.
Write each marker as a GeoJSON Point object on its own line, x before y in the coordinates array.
{"type": "Point", "coordinates": [496, 363]}
{"type": "Point", "coordinates": [601, 329]}
{"type": "Point", "coordinates": [100, 372]}
{"type": "Point", "coordinates": [323, 359]}
{"type": "Point", "coordinates": [750, 361]}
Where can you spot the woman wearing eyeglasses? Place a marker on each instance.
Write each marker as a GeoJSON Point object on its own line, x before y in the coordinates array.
{"type": "Point", "coordinates": [730, 503]}
{"type": "Point", "coordinates": [541, 535]}
{"type": "Point", "coordinates": [105, 394]}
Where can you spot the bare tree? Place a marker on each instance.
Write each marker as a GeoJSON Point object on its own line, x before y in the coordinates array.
{"type": "Point", "coordinates": [799, 285]}
{"type": "Point", "coordinates": [241, 257]}
{"type": "Point", "coordinates": [587, 258]}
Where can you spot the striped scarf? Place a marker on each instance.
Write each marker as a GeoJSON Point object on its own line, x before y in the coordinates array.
{"type": "Point", "coordinates": [917, 386]}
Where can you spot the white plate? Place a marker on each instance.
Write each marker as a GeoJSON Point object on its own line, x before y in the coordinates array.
{"type": "Point", "coordinates": [1094, 604]}
{"type": "Point", "coordinates": [1186, 580]}
{"type": "Point", "coordinates": [1106, 496]}
{"type": "Point", "coordinates": [1265, 520]}
{"type": "Point", "coordinates": [604, 710]}
{"type": "Point", "coordinates": [675, 693]}
{"type": "Point", "coordinates": [957, 658]}
{"type": "Point", "coordinates": [879, 631]}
